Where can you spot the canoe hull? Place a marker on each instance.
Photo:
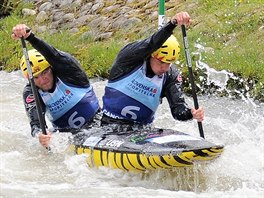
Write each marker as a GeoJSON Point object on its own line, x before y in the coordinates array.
{"type": "Point", "coordinates": [145, 150]}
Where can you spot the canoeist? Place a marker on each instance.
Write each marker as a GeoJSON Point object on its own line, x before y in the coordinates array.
{"type": "Point", "coordinates": [66, 94]}
{"type": "Point", "coordinates": [142, 74]}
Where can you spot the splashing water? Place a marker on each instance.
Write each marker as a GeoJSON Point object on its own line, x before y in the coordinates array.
{"type": "Point", "coordinates": [220, 79]}
{"type": "Point", "coordinates": [27, 170]}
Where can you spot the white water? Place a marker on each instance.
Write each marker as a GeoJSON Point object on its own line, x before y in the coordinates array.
{"type": "Point", "coordinates": [27, 170]}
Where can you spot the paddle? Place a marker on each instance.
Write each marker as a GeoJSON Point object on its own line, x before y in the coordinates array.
{"type": "Point", "coordinates": [34, 90]}
{"type": "Point", "coordinates": [189, 63]}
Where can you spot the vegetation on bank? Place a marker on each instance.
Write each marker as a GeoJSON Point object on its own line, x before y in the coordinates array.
{"type": "Point", "coordinates": [232, 29]}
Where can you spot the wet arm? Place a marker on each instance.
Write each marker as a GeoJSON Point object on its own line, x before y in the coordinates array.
{"type": "Point", "coordinates": [31, 110]}
{"type": "Point", "coordinates": [64, 65]}
{"type": "Point", "coordinates": [134, 54]}
{"type": "Point", "coordinates": [173, 93]}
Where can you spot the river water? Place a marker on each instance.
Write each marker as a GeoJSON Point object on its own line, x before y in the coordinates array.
{"type": "Point", "coordinates": [28, 170]}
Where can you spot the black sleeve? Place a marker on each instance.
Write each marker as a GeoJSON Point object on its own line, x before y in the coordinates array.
{"type": "Point", "coordinates": [172, 90]}
{"type": "Point", "coordinates": [133, 55]}
{"type": "Point", "coordinates": [31, 110]}
{"type": "Point", "coordinates": [64, 65]}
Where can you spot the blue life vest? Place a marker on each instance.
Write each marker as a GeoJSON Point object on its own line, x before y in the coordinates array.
{"type": "Point", "coordinates": [135, 97]}
{"type": "Point", "coordinates": [70, 106]}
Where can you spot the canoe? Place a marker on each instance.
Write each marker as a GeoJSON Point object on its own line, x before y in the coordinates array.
{"type": "Point", "coordinates": [143, 150]}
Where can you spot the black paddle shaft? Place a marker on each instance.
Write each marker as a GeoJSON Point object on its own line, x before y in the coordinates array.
{"type": "Point", "coordinates": [34, 89]}
{"type": "Point", "coordinates": [189, 63]}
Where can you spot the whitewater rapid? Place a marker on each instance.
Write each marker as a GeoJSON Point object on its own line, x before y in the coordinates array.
{"type": "Point", "coordinates": [27, 170]}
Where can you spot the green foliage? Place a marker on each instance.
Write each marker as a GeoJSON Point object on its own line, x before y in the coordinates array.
{"type": "Point", "coordinates": [98, 58]}
{"type": "Point", "coordinates": [13, 6]}
{"type": "Point", "coordinates": [95, 57]}
{"type": "Point", "coordinates": [232, 28]}
{"type": "Point", "coordinates": [61, 40]}
{"type": "Point", "coordinates": [10, 50]}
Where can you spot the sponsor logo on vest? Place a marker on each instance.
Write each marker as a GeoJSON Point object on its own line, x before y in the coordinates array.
{"type": "Point", "coordinates": [142, 89]}
{"type": "Point", "coordinates": [111, 115]}
{"type": "Point", "coordinates": [62, 101]}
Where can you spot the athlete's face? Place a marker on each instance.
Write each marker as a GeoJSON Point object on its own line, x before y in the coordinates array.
{"type": "Point", "coordinates": [45, 79]}
{"type": "Point", "coordinates": [159, 67]}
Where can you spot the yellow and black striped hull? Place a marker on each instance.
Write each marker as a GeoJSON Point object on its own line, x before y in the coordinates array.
{"type": "Point", "coordinates": [118, 152]}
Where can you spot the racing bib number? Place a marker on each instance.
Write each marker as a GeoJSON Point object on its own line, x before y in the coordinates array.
{"type": "Point", "coordinates": [76, 122]}
{"type": "Point", "coordinates": [128, 111]}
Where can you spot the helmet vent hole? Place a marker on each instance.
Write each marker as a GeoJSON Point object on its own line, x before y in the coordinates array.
{"type": "Point", "coordinates": [164, 52]}
{"type": "Point", "coordinates": [23, 66]}
{"type": "Point", "coordinates": [173, 53]}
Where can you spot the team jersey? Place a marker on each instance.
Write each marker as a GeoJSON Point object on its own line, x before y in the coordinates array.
{"type": "Point", "coordinates": [69, 106]}
{"type": "Point", "coordinates": [135, 97]}
{"type": "Point", "coordinates": [71, 76]}
{"type": "Point", "coordinates": [130, 59]}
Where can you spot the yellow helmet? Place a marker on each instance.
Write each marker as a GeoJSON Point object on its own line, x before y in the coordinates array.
{"type": "Point", "coordinates": [169, 51]}
{"type": "Point", "coordinates": [37, 61]}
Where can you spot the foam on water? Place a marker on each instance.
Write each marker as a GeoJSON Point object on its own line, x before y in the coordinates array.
{"type": "Point", "coordinates": [28, 170]}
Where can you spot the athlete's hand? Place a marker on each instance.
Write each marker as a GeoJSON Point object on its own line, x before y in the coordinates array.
{"type": "Point", "coordinates": [198, 114]}
{"type": "Point", "coordinates": [44, 140]}
{"type": "Point", "coordinates": [181, 18]}
{"type": "Point", "coordinates": [19, 31]}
